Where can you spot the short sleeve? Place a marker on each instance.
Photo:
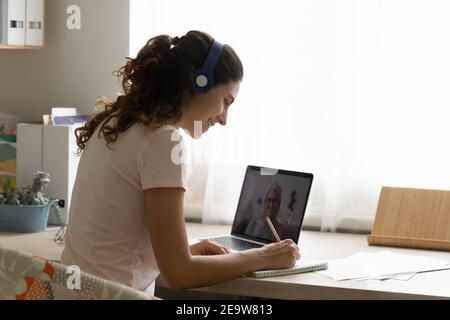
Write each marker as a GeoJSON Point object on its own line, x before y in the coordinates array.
{"type": "Point", "coordinates": [162, 163]}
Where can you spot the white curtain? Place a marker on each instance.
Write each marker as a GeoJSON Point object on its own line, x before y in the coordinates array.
{"type": "Point", "coordinates": [355, 92]}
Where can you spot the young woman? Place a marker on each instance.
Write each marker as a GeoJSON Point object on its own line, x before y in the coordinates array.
{"type": "Point", "coordinates": [126, 217]}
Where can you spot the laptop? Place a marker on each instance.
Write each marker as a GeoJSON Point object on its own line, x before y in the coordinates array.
{"type": "Point", "coordinates": [281, 195]}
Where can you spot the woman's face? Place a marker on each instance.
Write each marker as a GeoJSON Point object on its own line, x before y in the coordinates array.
{"type": "Point", "coordinates": [208, 109]}
{"type": "Point", "coordinates": [272, 204]}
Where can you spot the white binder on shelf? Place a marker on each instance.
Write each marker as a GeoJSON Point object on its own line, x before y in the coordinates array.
{"type": "Point", "coordinates": [34, 27]}
{"type": "Point", "coordinates": [13, 14]}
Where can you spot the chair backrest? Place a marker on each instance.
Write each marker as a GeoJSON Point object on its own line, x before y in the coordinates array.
{"type": "Point", "coordinates": [24, 277]}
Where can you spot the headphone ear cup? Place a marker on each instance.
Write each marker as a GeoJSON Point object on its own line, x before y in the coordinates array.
{"type": "Point", "coordinates": [202, 82]}
{"type": "Point", "coordinates": [202, 78]}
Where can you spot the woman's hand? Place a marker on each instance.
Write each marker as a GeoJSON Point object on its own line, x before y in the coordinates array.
{"type": "Point", "coordinates": [208, 247]}
{"type": "Point", "coordinates": [280, 255]}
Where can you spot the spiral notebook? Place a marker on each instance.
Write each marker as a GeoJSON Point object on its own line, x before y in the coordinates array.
{"type": "Point", "coordinates": [300, 267]}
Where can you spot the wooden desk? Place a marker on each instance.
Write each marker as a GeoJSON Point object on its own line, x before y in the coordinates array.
{"type": "Point", "coordinates": [39, 244]}
{"type": "Point", "coordinates": [314, 245]}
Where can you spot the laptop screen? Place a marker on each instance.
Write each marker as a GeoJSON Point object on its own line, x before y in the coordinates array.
{"type": "Point", "coordinates": [278, 194]}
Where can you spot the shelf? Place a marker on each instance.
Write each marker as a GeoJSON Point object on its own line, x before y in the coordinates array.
{"type": "Point", "coordinates": [9, 47]}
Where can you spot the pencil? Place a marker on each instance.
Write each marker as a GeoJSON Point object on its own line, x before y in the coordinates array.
{"type": "Point", "coordinates": [272, 228]}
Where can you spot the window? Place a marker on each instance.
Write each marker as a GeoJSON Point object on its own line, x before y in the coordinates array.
{"type": "Point", "coordinates": [355, 92]}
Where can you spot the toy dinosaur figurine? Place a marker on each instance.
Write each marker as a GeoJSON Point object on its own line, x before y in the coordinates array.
{"type": "Point", "coordinates": [30, 196]}
{"type": "Point", "coordinates": [34, 195]}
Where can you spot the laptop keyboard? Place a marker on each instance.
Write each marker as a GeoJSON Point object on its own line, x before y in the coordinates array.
{"type": "Point", "coordinates": [236, 244]}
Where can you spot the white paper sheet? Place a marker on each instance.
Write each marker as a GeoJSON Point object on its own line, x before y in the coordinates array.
{"type": "Point", "coordinates": [400, 277]}
{"type": "Point", "coordinates": [381, 265]}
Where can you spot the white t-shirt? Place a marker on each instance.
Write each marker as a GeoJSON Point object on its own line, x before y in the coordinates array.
{"type": "Point", "coordinates": [108, 232]}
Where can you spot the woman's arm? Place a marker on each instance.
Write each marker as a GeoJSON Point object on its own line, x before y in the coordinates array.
{"type": "Point", "coordinates": [208, 247]}
{"type": "Point", "coordinates": [180, 268]}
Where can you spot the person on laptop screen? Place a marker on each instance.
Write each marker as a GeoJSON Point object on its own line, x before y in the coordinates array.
{"type": "Point", "coordinates": [126, 216]}
{"type": "Point", "coordinates": [285, 209]}
{"type": "Point", "coordinates": [257, 227]}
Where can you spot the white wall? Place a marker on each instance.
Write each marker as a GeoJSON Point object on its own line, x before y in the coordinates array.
{"type": "Point", "coordinates": [74, 68]}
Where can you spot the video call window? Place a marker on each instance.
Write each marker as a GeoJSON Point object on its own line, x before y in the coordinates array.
{"type": "Point", "coordinates": [281, 197]}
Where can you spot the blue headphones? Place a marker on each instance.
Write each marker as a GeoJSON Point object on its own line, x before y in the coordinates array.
{"type": "Point", "coordinates": [202, 78]}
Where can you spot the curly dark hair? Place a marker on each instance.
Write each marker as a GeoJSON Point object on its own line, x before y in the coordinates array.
{"type": "Point", "coordinates": [157, 83]}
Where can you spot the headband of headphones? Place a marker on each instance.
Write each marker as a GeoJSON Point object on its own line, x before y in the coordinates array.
{"type": "Point", "coordinates": [202, 78]}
